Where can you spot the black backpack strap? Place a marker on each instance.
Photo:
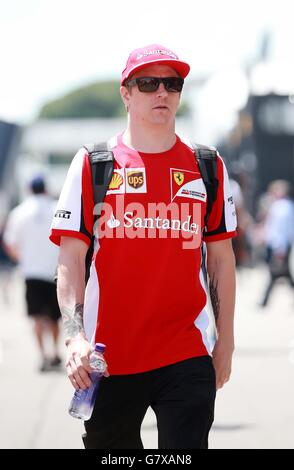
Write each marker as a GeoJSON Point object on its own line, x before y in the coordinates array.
{"type": "Point", "coordinates": [101, 159]}
{"type": "Point", "coordinates": [206, 158]}
{"type": "Point", "coordinates": [207, 161]}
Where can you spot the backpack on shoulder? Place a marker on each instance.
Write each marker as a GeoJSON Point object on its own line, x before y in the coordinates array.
{"type": "Point", "coordinates": [102, 163]}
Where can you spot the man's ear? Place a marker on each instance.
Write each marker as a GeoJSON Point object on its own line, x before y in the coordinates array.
{"type": "Point", "coordinates": [125, 96]}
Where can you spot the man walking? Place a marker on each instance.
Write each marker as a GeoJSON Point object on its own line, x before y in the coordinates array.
{"type": "Point", "coordinates": [145, 298]}
{"type": "Point", "coordinates": [278, 236]}
{"type": "Point", "coordinates": [26, 241]}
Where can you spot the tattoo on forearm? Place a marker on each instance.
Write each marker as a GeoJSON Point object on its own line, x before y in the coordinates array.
{"type": "Point", "coordinates": [73, 320]}
{"type": "Point", "coordinates": [215, 300]}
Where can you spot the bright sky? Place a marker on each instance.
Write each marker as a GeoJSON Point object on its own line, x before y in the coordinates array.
{"type": "Point", "coordinates": [50, 47]}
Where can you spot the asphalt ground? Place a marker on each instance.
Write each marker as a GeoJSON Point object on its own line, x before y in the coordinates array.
{"type": "Point", "coordinates": [253, 411]}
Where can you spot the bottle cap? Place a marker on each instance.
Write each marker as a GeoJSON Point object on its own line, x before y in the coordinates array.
{"type": "Point", "coordinates": [100, 347]}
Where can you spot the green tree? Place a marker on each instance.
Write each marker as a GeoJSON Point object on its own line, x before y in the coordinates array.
{"type": "Point", "coordinates": [98, 100]}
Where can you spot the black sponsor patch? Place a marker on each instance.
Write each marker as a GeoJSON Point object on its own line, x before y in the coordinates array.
{"type": "Point", "coordinates": [62, 214]}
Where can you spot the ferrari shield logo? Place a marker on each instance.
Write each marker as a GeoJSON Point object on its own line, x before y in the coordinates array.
{"type": "Point", "coordinates": [179, 177]}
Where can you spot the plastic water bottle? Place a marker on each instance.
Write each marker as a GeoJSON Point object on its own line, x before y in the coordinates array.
{"type": "Point", "coordinates": [83, 401]}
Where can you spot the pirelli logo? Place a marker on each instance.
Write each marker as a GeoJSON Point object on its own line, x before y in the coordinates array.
{"type": "Point", "coordinates": [62, 214]}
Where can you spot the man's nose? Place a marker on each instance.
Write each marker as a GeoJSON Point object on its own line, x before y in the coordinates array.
{"type": "Point", "coordinates": [161, 89]}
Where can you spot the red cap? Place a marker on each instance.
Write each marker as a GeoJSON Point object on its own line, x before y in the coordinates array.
{"type": "Point", "coordinates": [153, 54]}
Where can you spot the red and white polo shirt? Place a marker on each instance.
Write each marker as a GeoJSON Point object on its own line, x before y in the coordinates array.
{"type": "Point", "coordinates": [145, 298]}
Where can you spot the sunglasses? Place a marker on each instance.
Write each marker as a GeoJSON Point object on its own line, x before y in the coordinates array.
{"type": "Point", "coordinates": [150, 84]}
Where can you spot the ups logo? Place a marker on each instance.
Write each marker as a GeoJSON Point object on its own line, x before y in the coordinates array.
{"type": "Point", "coordinates": [136, 179]}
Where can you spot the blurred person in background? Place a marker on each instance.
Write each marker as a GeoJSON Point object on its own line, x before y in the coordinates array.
{"type": "Point", "coordinates": [241, 243]}
{"type": "Point", "coordinates": [277, 218]}
{"type": "Point", "coordinates": [7, 266]}
{"type": "Point", "coordinates": [26, 242]}
{"type": "Point", "coordinates": [145, 298]}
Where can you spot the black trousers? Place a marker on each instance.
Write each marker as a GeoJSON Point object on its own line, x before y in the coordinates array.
{"type": "Point", "coordinates": [182, 396]}
{"type": "Point", "coordinates": [277, 271]}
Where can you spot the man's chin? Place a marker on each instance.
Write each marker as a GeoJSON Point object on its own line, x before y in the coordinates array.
{"type": "Point", "coordinates": [161, 116]}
